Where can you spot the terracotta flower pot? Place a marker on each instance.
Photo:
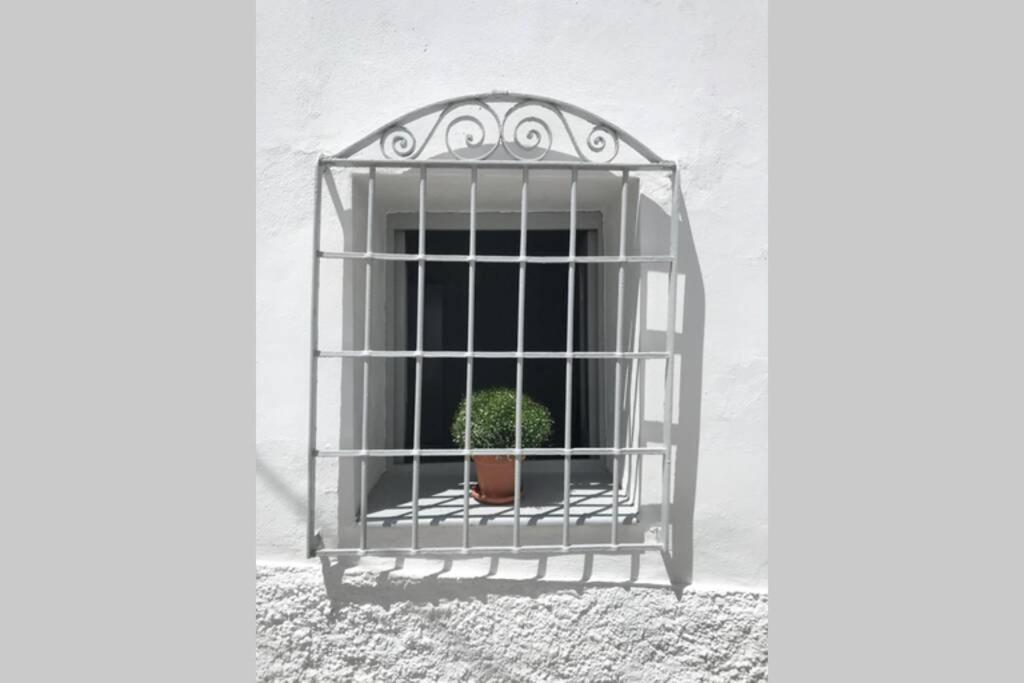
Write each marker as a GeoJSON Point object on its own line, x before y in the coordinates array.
{"type": "Point", "coordinates": [496, 479]}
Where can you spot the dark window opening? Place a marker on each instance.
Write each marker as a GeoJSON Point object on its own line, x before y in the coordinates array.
{"type": "Point", "coordinates": [446, 294]}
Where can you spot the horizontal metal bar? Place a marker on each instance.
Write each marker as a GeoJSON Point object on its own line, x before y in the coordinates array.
{"type": "Point", "coordinates": [540, 355]}
{"type": "Point", "coordinates": [439, 452]}
{"type": "Point", "coordinates": [458, 163]}
{"type": "Point", "coordinates": [465, 258]}
{"type": "Point", "coordinates": [476, 550]}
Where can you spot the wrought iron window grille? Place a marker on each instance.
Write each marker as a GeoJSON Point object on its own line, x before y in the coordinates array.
{"type": "Point", "coordinates": [484, 132]}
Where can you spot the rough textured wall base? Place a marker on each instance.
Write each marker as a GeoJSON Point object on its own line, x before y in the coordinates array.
{"type": "Point", "coordinates": [382, 628]}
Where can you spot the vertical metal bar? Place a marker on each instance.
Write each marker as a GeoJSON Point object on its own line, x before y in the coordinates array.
{"type": "Point", "coordinates": [364, 432]}
{"type": "Point", "coordinates": [670, 337]}
{"type": "Point", "coordinates": [519, 359]}
{"type": "Point", "coordinates": [617, 415]}
{"type": "Point", "coordinates": [469, 357]}
{"type": "Point", "coordinates": [569, 329]}
{"type": "Point", "coordinates": [418, 401]}
{"type": "Point", "coordinates": [314, 332]}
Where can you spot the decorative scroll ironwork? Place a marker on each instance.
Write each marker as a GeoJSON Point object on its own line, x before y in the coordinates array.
{"type": "Point", "coordinates": [480, 127]}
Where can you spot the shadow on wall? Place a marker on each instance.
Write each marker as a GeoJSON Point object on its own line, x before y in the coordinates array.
{"type": "Point", "coordinates": [654, 220]}
{"type": "Point", "coordinates": [293, 500]}
{"type": "Point", "coordinates": [689, 353]}
{"type": "Point", "coordinates": [426, 578]}
{"type": "Point", "coordinates": [649, 230]}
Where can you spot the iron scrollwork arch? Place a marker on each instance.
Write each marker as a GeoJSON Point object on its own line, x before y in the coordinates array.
{"type": "Point", "coordinates": [528, 129]}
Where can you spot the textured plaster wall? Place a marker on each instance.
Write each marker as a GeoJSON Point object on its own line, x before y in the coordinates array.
{"type": "Point", "coordinates": [686, 78]}
{"type": "Point", "coordinates": [380, 626]}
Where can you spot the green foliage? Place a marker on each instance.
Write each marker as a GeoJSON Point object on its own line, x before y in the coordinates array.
{"type": "Point", "coordinates": [494, 421]}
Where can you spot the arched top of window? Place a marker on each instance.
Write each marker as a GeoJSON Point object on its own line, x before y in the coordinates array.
{"type": "Point", "coordinates": [501, 126]}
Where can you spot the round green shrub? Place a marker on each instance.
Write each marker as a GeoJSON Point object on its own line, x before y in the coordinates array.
{"type": "Point", "coordinates": [494, 421]}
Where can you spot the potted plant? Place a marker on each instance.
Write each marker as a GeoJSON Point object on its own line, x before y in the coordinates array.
{"type": "Point", "coordinates": [494, 426]}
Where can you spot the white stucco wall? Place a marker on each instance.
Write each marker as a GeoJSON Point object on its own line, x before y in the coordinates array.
{"type": "Point", "coordinates": [386, 626]}
{"type": "Point", "coordinates": [687, 79]}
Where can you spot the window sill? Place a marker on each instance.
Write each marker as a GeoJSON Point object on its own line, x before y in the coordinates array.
{"type": "Point", "coordinates": [441, 497]}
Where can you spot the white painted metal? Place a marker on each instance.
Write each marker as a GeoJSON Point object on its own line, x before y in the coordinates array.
{"type": "Point", "coordinates": [520, 334]}
{"type": "Point", "coordinates": [469, 357]}
{"type": "Point", "coordinates": [404, 145]}
{"type": "Point", "coordinates": [418, 401]}
{"type": "Point", "coordinates": [428, 452]}
{"type": "Point", "coordinates": [363, 488]}
{"type": "Point", "coordinates": [570, 314]}
{"type": "Point", "coordinates": [368, 256]}
{"type": "Point", "coordinates": [314, 332]}
{"type": "Point", "coordinates": [670, 332]}
{"type": "Point", "coordinates": [456, 163]}
{"type": "Point", "coordinates": [496, 549]}
{"type": "Point", "coordinates": [551, 355]}
{"type": "Point", "coordinates": [617, 413]}
{"type": "Point", "coordinates": [462, 258]}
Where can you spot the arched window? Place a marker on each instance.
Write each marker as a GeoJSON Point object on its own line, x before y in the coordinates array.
{"type": "Point", "coordinates": [494, 241]}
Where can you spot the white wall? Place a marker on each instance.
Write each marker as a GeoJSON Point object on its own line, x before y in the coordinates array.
{"type": "Point", "coordinates": [687, 79]}
{"type": "Point", "coordinates": [396, 626]}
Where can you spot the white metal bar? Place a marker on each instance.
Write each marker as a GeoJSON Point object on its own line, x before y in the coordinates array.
{"type": "Point", "coordinates": [364, 431]}
{"type": "Point", "coordinates": [567, 477]}
{"type": "Point", "coordinates": [540, 355]}
{"type": "Point", "coordinates": [502, 164]}
{"type": "Point", "coordinates": [436, 452]}
{"type": "Point", "coordinates": [546, 549]}
{"type": "Point", "coordinates": [469, 357]}
{"type": "Point", "coordinates": [617, 415]}
{"type": "Point", "coordinates": [418, 401]}
{"type": "Point", "coordinates": [520, 329]}
{"type": "Point", "coordinates": [485, 258]}
{"type": "Point", "coordinates": [670, 337]}
{"type": "Point", "coordinates": [314, 331]}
